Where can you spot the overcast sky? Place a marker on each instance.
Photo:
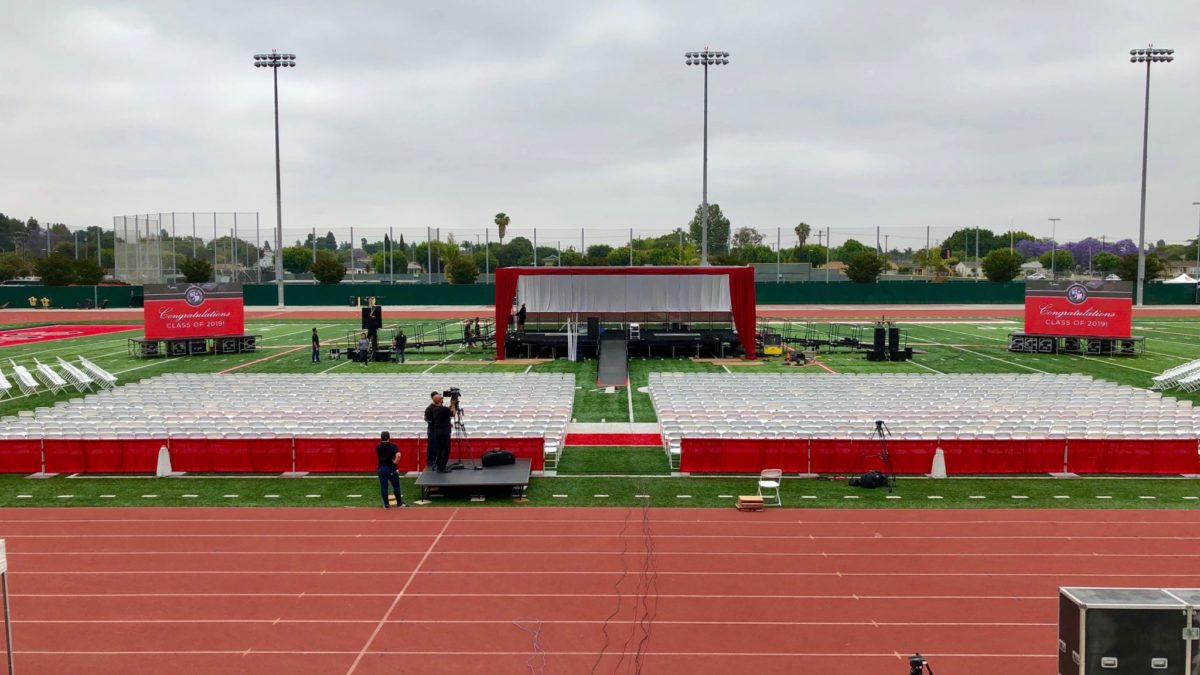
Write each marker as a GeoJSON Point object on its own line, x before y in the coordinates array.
{"type": "Point", "coordinates": [843, 114]}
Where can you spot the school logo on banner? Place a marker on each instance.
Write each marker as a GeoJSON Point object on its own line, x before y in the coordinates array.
{"type": "Point", "coordinates": [1077, 294]}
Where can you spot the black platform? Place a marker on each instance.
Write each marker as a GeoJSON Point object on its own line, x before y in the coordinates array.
{"type": "Point", "coordinates": [193, 346]}
{"type": "Point", "coordinates": [515, 476]}
{"type": "Point", "coordinates": [1080, 345]}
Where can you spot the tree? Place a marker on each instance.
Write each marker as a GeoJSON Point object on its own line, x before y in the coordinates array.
{"type": "Point", "coordinates": [462, 270]}
{"type": "Point", "coordinates": [802, 232]}
{"type": "Point", "coordinates": [718, 229]}
{"type": "Point", "coordinates": [1002, 265]}
{"type": "Point", "coordinates": [379, 262]}
{"type": "Point", "coordinates": [848, 250]}
{"type": "Point", "coordinates": [1105, 262]}
{"type": "Point", "coordinates": [297, 259]}
{"type": "Point", "coordinates": [327, 269]}
{"type": "Point", "coordinates": [87, 272]}
{"type": "Point", "coordinates": [745, 237]}
{"type": "Point", "coordinates": [502, 220]}
{"type": "Point", "coordinates": [1127, 269]}
{"type": "Point", "coordinates": [866, 266]}
{"type": "Point", "coordinates": [1063, 261]}
{"type": "Point", "coordinates": [55, 270]}
{"type": "Point", "coordinates": [196, 270]}
{"type": "Point", "coordinates": [14, 265]}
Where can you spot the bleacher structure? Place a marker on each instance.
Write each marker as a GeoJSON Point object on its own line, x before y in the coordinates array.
{"type": "Point", "coordinates": [1004, 423]}
{"type": "Point", "coordinates": [268, 422]}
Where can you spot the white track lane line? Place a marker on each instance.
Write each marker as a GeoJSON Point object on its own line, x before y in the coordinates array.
{"type": "Point", "coordinates": [412, 575]}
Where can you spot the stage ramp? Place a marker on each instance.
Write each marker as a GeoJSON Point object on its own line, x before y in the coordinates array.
{"type": "Point", "coordinates": [613, 370]}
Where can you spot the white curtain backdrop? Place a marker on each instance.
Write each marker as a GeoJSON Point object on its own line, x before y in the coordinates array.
{"type": "Point", "coordinates": [624, 293]}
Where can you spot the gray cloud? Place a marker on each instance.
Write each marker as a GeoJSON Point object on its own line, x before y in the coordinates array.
{"type": "Point", "coordinates": [849, 115]}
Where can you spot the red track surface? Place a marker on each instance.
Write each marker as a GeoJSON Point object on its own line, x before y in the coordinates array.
{"type": "Point", "coordinates": [864, 312]}
{"type": "Point", "coordinates": [442, 590]}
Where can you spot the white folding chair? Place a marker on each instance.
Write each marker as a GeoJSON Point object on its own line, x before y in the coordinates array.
{"type": "Point", "coordinates": [24, 379]}
{"type": "Point", "coordinates": [53, 381]}
{"type": "Point", "coordinates": [768, 486]}
{"type": "Point", "coordinates": [80, 379]}
{"type": "Point", "coordinates": [5, 385]}
{"type": "Point", "coordinates": [106, 379]}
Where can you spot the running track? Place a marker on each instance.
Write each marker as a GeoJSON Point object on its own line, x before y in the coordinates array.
{"type": "Point", "coordinates": [444, 590]}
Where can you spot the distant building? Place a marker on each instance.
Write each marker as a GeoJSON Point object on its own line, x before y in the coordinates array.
{"type": "Point", "coordinates": [968, 268]}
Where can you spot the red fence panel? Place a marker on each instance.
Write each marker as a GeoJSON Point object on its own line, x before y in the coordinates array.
{"type": "Point", "coordinates": [908, 456]}
{"type": "Point", "coordinates": [838, 455]}
{"type": "Point", "coordinates": [20, 456]}
{"type": "Point", "coordinates": [316, 455]}
{"type": "Point", "coordinates": [1096, 455]}
{"type": "Point", "coordinates": [64, 456]}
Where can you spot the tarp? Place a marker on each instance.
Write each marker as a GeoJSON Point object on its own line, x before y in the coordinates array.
{"type": "Point", "coordinates": [740, 294]}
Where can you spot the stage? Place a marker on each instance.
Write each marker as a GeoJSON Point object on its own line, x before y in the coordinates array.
{"type": "Point", "coordinates": [475, 476]}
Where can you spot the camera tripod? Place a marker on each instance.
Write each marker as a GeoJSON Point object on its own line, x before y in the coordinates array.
{"type": "Point", "coordinates": [460, 435]}
{"type": "Point", "coordinates": [918, 665]}
{"type": "Point", "coordinates": [882, 432]}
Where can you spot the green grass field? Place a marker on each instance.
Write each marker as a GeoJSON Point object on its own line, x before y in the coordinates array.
{"type": "Point", "coordinates": [940, 346]}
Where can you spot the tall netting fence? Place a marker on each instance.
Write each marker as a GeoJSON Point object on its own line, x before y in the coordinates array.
{"type": "Point", "coordinates": [149, 248]}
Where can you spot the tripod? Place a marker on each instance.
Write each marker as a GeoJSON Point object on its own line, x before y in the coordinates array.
{"type": "Point", "coordinates": [460, 434]}
{"type": "Point", "coordinates": [882, 432]}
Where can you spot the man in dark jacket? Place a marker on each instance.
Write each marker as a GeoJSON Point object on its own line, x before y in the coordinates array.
{"type": "Point", "coordinates": [388, 454]}
{"type": "Point", "coordinates": [430, 450]}
{"type": "Point", "coordinates": [401, 342]}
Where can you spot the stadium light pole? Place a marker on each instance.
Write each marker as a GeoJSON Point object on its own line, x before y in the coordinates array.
{"type": "Point", "coordinates": [1053, 246]}
{"type": "Point", "coordinates": [1147, 56]}
{"type": "Point", "coordinates": [275, 61]}
{"type": "Point", "coordinates": [706, 59]}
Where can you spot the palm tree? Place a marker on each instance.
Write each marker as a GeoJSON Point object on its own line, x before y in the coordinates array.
{"type": "Point", "coordinates": [802, 232]}
{"type": "Point", "coordinates": [501, 221]}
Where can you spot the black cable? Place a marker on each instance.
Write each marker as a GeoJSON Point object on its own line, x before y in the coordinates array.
{"type": "Point", "coordinates": [617, 588]}
{"type": "Point", "coordinates": [649, 609]}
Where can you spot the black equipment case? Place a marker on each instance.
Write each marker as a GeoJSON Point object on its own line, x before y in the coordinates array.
{"type": "Point", "coordinates": [1105, 631]}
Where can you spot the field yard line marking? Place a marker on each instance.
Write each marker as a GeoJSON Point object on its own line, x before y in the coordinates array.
{"type": "Point", "coordinates": [265, 358]}
{"type": "Point", "coordinates": [726, 368]}
{"type": "Point", "coordinates": [629, 398]}
{"type": "Point", "coordinates": [527, 369]}
{"type": "Point", "coordinates": [826, 368]}
{"type": "Point", "coordinates": [341, 363]}
{"type": "Point", "coordinates": [306, 330]}
{"type": "Point", "coordinates": [443, 360]}
{"type": "Point", "coordinates": [396, 601]}
{"type": "Point", "coordinates": [922, 365]}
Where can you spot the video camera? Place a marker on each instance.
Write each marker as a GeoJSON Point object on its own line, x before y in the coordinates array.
{"type": "Point", "coordinates": [452, 393]}
{"type": "Point", "coordinates": [917, 665]}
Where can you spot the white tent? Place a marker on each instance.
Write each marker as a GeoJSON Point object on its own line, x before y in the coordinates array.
{"type": "Point", "coordinates": [1181, 279]}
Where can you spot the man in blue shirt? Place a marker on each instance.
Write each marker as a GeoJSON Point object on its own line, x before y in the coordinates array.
{"type": "Point", "coordinates": [388, 455]}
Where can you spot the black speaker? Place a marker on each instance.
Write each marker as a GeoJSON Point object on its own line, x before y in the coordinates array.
{"type": "Point", "coordinates": [497, 457]}
{"type": "Point", "coordinates": [366, 318]}
{"type": "Point", "coordinates": [247, 343]}
{"type": "Point", "coordinates": [177, 347]}
{"type": "Point", "coordinates": [893, 339]}
{"type": "Point", "coordinates": [880, 338]}
{"type": "Point", "coordinates": [593, 327]}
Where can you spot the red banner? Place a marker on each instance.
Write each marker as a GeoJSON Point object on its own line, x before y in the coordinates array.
{"type": "Point", "coordinates": [197, 310]}
{"type": "Point", "coordinates": [1085, 309]}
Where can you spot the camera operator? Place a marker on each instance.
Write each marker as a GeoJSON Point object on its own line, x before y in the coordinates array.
{"type": "Point", "coordinates": [430, 450]}
{"type": "Point", "coordinates": [443, 417]}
